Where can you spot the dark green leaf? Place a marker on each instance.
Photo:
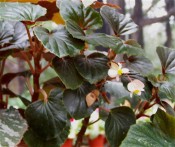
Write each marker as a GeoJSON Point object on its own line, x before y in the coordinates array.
{"type": "Point", "coordinates": [47, 118]}
{"type": "Point", "coordinates": [59, 41]}
{"type": "Point", "coordinates": [130, 47]}
{"type": "Point", "coordinates": [134, 75]}
{"type": "Point", "coordinates": [168, 89]}
{"type": "Point", "coordinates": [146, 135]}
{"type": "Point", "coordinates": [75, 101]}
{"type": "Point", "coordinates": [168, 108]}
{"type": "Point", "coordinates": [121, 24]}
{"type": "Point", "coordinates": [30, 138]}
{"type": "Point", "coordinates": [75, 14]}
{"type": "Point", "coordinates": [20, 11]}
{"type": "Point", "coordinates": [165, 122]}
{"type": "Point", "coordinates": [67, 72]}
{"type": "Point", "coordinates": [167, 59]}
{"type": "Point", "coordinates": [93, 67]}
{"type": "Point", "coordinates": [118, 123]}
{"type": "Point", "coordinates": [12, 127]}
{"type": "Point", "coordinates": [13, 35]}
{"type": "Point", "coordinates": [139, 63]}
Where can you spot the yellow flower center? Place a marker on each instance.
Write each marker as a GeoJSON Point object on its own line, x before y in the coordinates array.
{"type": "Point", "coordinates": [119, 72]}
{"type": "Point", "coordinates": [136, 91]}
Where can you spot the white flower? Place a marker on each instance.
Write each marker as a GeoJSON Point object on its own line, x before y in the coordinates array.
{"type": "Point", "coordinates": [116, 70]}
{"type": "Point", "coordinates": [135, 87]}
{"type": "Point", "coordinates": [87, 3]}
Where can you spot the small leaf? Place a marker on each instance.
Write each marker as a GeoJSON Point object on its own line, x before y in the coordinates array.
{"type": "Point", "coordinates": [47, 119]}
{"type": "Point", "coordinates": [166, 56]}
{"type": "Point", "coordinates": [30, 137]}
{"type": "Point", "coordinates": [59, 41]}
{"type": "Point", "coordinates": [140, 64]}
{"type": "Point", "coordinates": [122, 25]}
{"type": "Point", "coordinates": [146, 135]}
{"type": "Point", "coordinates": [92, 97]}
{"type": "Point", "coordinates": [12, 127]}
{"type": "Point", "coordinates": [85, 18]}
{"type": "Point", "coordinates": [20, 11]}
{"type": "Point", "coordinates": [118, 123]}
{"type": "Point", "coordinates": [67, 72]}
{"type": "Point", "coordinates": [165, 122]}
{"type": "Point", "coordinates": [75, 101]}
{"type": "Point", "coordinates": [93, 67]}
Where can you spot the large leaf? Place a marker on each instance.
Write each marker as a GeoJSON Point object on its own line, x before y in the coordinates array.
{"type": "Point", "coordinates": [165, 122]}
{"type": "Point", "coordinates": [75, 101]}
{"type": "Point", "coordinates": [93, 67]}
{"type": "Point", "coordinates": [118, 123]}
{"type": "Point", "coordinates": [146, 135]}
{"type": "Point", "coordinates": [121, 24]}
{"type": "Point", "coordinates": [139, 63]}
{"type": "Point", "coordinates": [167, 59]}
{"type": "Point", "coordinates": [13, 35]}
{"type": "Point", "coordinates": [67, 72]}
{"type": "Point", "coordinates": [146, 94]}
{"type": "Point", "coordinates": [30, 137]}
{"type": "Point", "coordinates": [168, 90]}
{"type": "Point", "coordinates": [59, 41]}
{"type": "Point", "coordinates": [20, 11]}
{"type": "Point", "coordinates": [12, 127]}
{"type": "Point", "coordinates": [47, 118]}
{"type": "Point", "coordinates": [81, 17]}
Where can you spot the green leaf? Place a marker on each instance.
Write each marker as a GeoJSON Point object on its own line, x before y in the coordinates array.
{"type": "Point", "coordinates": [165, 122]}
{"type": "Point", "coordinates": [30, 137]}
{"type": "Point", "coordinates": [146, 135]}
{"type": "Point", "coordinates": [168, 89]}
{"type": "Point", "coordinates": [140, 64]}
{"type": "Point", "coordinates": [134, 75]}
{"type": "Point", "coordinates": [20, 11]}
{"type": "Point", "coordinates": [166, 56]}
{"type": "Point", "coordinates": [12, 127]}
{"type": "Point", "coordinates": [93, 67]}
{"type": "Point", "coordinates": [77, 15]}
{"type": "Point", "coordinates": [47, 118]}
{"type": "Point", "coordinates": [13, 35]}
{"type": "Point", "coordinates": [129, 47]}
{"type": "Point", "coordinates": [75, 101]}
{"type": "Point", "coordinates": [118, 123]}
{"type": "Point", "coordinates": [59, 41]}
{"type": "Point", "coordinates": [122, 25]}
{"type": "Point", "coordinates": [115, 89]}
{"type": "Point", "coordinates": [67, 72]}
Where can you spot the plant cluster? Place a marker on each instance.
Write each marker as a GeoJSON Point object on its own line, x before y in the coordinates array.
{"type": "Point", "coordinates": [86, 78]}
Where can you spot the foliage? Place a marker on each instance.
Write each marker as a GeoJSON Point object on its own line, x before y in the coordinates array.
{"type": "Point", "coordinates": [86, 79]}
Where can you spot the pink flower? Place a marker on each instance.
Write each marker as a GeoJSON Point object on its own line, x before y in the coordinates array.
{"type": "Point", "coordinates": [116, 70]}
{"type": "Point", "coordinates": [135, 87]}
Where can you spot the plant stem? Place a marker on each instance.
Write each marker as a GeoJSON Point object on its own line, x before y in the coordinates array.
{"type": "Point", "coordinates": [1, 73]}
{"type": "Point", "coordinates": [82, 132]}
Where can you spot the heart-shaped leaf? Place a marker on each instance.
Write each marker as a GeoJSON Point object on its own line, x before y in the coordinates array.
{"type": "Point", "coordinates": [59, 41]}
{"type": "Point", "coordinates": [75, 101]}
{"type": "Point", "coordinates": [47, 118]}
{"type": "Point", "coordinates": [140, 64]}
{"type": "Point", "coordinates": [121, 24]}
{"type": "Point", "coordinates": [12, 127]}
{"type": "Point", "coordinates": [146, 135]}
{"type": "Point", "coordinates": [20, 11]}
{"type": "Point", "coordinates": [93, 67]}
{"type": "Point", "coordinates": [118, 123]}
{"type": "Point", "coordinates": [67, 72]}
{"type": "Point", "coordinates": [30, 137]}
{"type": "Point", "coordinates": [165, 122]}
{"type": "Point", "coordinates": [13, 35]}
{"type": "Point", "coordinates": [84, 18]}
{"type": "Point", "coordinates": [167, 59]}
